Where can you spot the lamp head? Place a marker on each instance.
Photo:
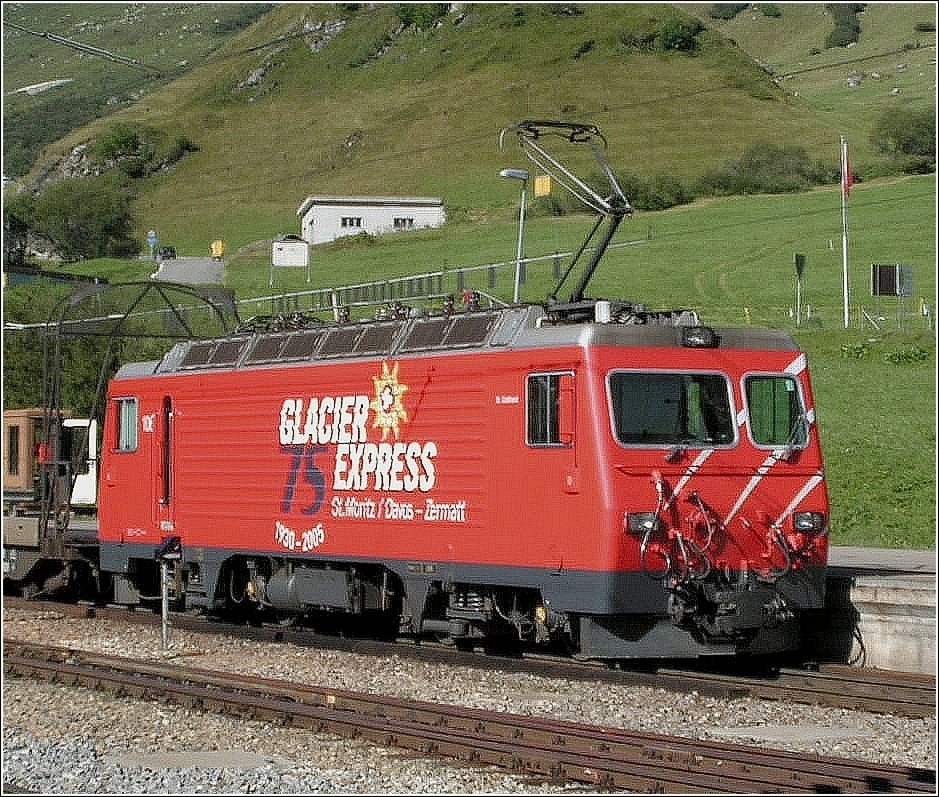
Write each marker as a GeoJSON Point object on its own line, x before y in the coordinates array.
{"type": "Point", "coordinates": [514, 174]}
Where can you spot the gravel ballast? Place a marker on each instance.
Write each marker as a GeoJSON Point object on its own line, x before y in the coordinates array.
{"type": "Point", "coordinates": [72, 740]}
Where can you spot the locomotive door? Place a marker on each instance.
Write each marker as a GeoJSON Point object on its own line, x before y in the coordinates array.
{"type": "Point", "coordinates": [163, 484]}
{"type": "Point", "coordinates": [551, 424]}
{"type": "Point", "coordinates": [553, 480]}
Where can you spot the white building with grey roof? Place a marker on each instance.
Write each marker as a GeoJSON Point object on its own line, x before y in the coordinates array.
{"type": "Point", "coordinates": [326, 218]}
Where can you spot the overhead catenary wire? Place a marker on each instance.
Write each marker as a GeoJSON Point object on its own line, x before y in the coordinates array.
{"type": "Point", "coordinates": [86, 48]}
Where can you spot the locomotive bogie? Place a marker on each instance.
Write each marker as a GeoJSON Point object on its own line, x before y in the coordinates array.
{"type": "Point", "coordinates": [30, 573]}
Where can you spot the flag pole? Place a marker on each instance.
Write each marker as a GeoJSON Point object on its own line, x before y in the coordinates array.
{"type": "Point", "coordinates": [845, 187]}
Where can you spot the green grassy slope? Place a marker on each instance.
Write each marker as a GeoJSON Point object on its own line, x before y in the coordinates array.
{"type": "Point", "coordinates": [330, 115]}
{"type": "Point", "coordinates": [894, 61]}
{"type": "Point", "coordinates": [165, 41]}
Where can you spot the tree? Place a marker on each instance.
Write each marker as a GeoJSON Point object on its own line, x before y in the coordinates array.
{"type": "Point", "coordinates": [907, 135]}
{"type": "Point", "coordinates": [87, 217]}
{"type": "Point", "coordinates": [17, 215]}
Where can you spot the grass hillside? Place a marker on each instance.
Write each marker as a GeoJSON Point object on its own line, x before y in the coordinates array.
{"type": "Point", "coordinates": [347, 99]}
{"type": "Point", "coordinates": [140, 47]}
{"type": "Point", "coordinates": [893, 62]}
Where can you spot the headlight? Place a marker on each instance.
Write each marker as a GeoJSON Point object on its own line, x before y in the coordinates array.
{"type": "Point", "coordinates": [809, 522]}
{"type": "Point", "coordinates": [641, 522]}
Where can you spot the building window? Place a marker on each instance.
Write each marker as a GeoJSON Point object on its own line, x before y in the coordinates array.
{"type": "Point", "coordinates": [13, 450]}
{"type": "Point", "coordinates": [351, 221]}
{"type": "Point", "coordinates": [403, 223]}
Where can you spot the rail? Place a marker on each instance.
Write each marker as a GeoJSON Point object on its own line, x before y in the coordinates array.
{"type": "Point", "coordinates": [856, 688]}
{"type": "Point", "coordinates": [564, 751]}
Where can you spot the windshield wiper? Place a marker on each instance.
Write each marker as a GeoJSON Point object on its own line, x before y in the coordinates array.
{"type": "Point", "coordinates": [798, 436]}
{"type": "Point", "coordinates": [677, 451]}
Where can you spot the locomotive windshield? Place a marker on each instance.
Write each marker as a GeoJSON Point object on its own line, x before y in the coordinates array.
{"type": "Point", "coordinates": [777, 417]}
{"type": "Point", "coordinates": [655, 408]}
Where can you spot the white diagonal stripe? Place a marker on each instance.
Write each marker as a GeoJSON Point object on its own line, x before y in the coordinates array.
{"type": "Point", "coordinates": [810, 485]}
{"type": "Point", "coordinates": [692, 469]}
{"type": "Point", "coordinates": [771, 460]}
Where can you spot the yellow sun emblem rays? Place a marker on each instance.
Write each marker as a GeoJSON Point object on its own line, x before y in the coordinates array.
{"type": "Point", "coordinates": [389, 409]}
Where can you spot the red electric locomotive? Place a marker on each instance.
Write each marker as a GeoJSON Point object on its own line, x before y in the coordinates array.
{"type": "Point", "coordinates": [636, 490]}
{"type": "Point", "coordinates": [629, 484]}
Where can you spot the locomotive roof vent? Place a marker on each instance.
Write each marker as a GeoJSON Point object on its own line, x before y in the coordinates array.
{"type": "Point", "coordinates": [456, 331]}
{"type": "Point", "coordinates": [699, 337]}
{"type": "Point", "coordinates": [214, 353]}
{"type": "Point", "coordinates": [604, 311]}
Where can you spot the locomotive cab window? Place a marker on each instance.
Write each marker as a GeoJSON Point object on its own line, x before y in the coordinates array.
{"type": "Point", "coordinates": [656, 408]}
{"type": "Point", "coordinates": [126, 418]}
{"type": "Point", "coordinates": [550, 409]}
{"type": "Point", "coordinates": [776, 413]}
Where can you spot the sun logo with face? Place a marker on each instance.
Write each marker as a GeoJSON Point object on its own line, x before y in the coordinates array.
{"type": "Point", "coordinates": [387, 404]}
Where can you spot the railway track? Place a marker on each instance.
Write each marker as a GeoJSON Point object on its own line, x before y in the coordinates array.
{"type": "Point", "coordinates": [861, 689]}
{"type": "Point", "coordinates": [599, 756]}
{"type": "Point", "coordinates": [856, 688]}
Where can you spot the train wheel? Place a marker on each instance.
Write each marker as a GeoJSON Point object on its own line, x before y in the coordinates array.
{"type": "Point", "coordinates": [235, 582]}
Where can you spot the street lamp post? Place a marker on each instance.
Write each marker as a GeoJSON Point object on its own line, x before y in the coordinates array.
{"type": "Point", "coordinates": [521, 175]}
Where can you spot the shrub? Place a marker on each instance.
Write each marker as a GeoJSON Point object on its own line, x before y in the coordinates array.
{"type": "Point", "coordinates": [632, 40]}
{"type": "Point", "coordinates": [847, 28]}
{"type": "Point", "coordinates": [764, 168]}
{"type": "Point", "coordinates": [679, 33]}
{"type": "Point", "coordinates": [121, 140]}
{"type": "Point", "coordinates": [585, 48]}
{"type": "Point", "coordinates": [674, 32]}
{"type": "Point", "coordinates": [726, 10]}
{"type": "Point", "coordinates": [138, 152]}
{"type": "Point", "coordinates": [908, 356]}
{"type": "Point", "coordinates": [906, 133]}
{"type": "Point", "coordinates": [17, 216]}
{"type": "Point", "coordinates": [658, 193]}
{"type": "Point", "coordinates": [180, 147]}
{"type": "Point", "coordinates": [855, 351]}
{"type": "Point", "coordinates": [421, 15]}
{"type": "Point", "coordinates": [86, 218]}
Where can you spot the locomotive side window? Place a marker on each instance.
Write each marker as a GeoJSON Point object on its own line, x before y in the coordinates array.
{"type": "Point", "coordinates": [655, 408]}
{"type": "Point", "coordinates": [548, 396]}
{"type": "Point", "coordinates": [777, 417]}
{"type": "Point", "coordinates": [126, 424]}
